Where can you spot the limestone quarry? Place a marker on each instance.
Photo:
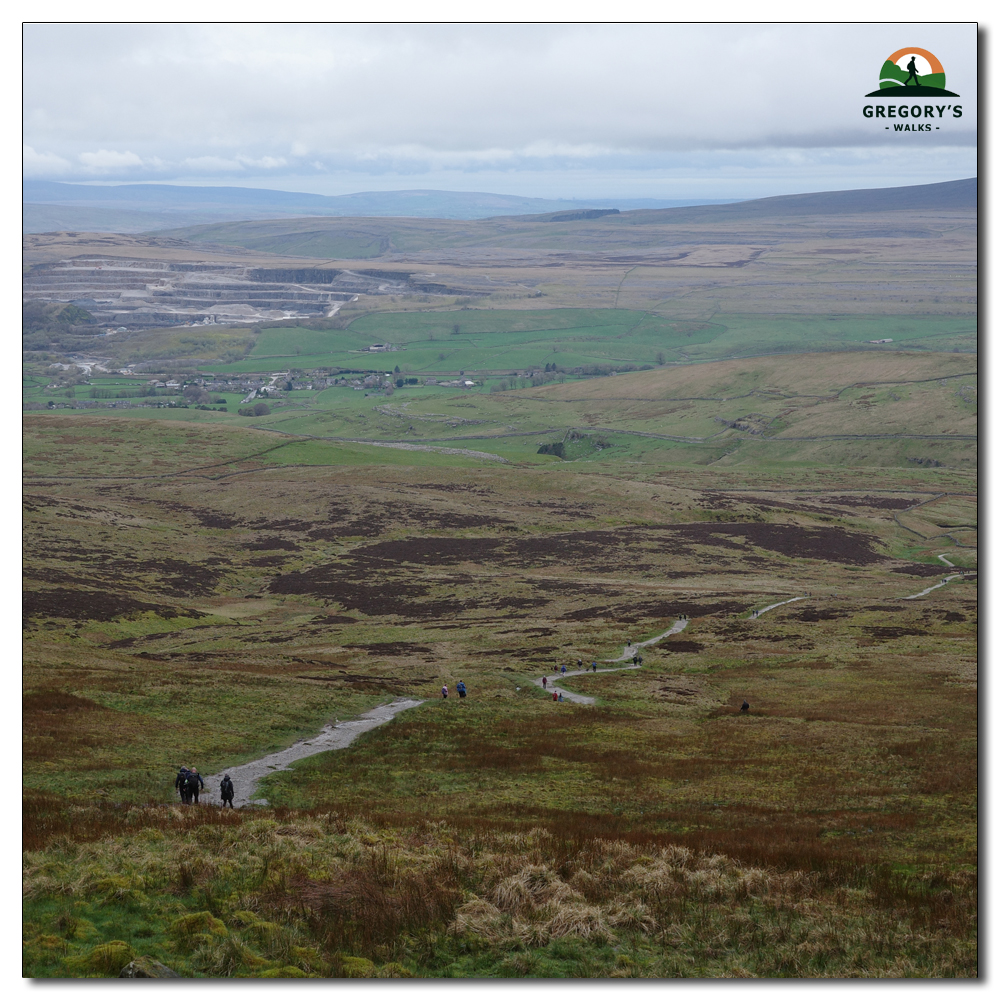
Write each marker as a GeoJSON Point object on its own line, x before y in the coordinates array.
{"type": "Point", "coordinates": [142, 293]}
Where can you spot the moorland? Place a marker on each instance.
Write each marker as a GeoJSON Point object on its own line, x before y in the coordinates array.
{"type": "Point", "coordinates": [486, 501]}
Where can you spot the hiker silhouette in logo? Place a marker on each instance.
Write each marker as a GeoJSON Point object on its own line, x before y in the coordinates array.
{"type": "Point", "coordinates": [911, 68]}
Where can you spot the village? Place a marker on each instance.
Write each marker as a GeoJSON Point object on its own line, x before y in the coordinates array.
{"type": "Point", "coordinates": [105, 391]}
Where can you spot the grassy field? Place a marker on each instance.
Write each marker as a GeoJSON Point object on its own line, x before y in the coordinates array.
{"type": "Point", "coordinates": [204, 588]}
{"type": "Point", "coordinates": [890, 410]}
{"type": "Point", "coordinates": [501, 340]}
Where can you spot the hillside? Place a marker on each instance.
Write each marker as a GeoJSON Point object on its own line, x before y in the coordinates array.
{"type": "Point", "coordinates": [359, 238]}
{"type": "Point", "coordinates": [50, 206]}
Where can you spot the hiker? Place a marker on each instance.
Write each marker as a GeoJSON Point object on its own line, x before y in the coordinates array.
{"type": "Point", "coordinates": [560, 696]}
{"type": "Point", "coordinates": [545, 683]}
{"type": "Point", "coordinates": [562, 669]}
{"type": "Point", "coordinates": [745, 707]}
{"type": "Point", "coordinates": [181, 783]}
{"type": "Point", "coordinates": [579, 663]}
{"type": "Point", "coordinates": [555, 695]}
{"type": "Point", "coordinates": [460, 688]}
{"type": "Point", "coordinates": [195, 782]}
{"type": "Point", "coordinates": [594, 666]}
{"type": "Point", "coordinates": [444, 690]}
{"type": "Point", "coordinates": [911, 68]}
{"type": "Point", "coordinates": [226, 791]}
{"type": "Point", "coordinates": [640, 660]}
{"type": "Point", "coordinates": [635, 660]}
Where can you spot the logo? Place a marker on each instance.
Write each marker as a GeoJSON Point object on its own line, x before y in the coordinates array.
{"type": "Point", "coordinates": [912, 73]}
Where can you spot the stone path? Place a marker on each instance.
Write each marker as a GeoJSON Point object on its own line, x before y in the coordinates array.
{"type": "Point", "coordinates": [947, 579]}
{"type": "Point", "coordinates": [630, 651]}
{"type": "Point", "coordinates": [335, 737]}
{"type": "Point", "coordinates": [771, 607]}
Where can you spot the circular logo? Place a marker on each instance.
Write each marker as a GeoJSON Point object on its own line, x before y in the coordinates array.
{"type": "Point", "coordinates": [913, 71]}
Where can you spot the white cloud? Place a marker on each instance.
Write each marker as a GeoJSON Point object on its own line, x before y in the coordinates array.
{"type": "Point", "coordinates": [210, 164]}
{"type": "Point", "coordinates": [43, 164]}
{"type": "Point", "coordinates": [109, 161]}
{"type": "Point", "coordinates": [250, 100]}
{"type": "Point", "coordinates": [264, 162]}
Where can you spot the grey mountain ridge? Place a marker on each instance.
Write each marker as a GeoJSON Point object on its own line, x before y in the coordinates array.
{"type": "Point", "coordinates": [51, 206]}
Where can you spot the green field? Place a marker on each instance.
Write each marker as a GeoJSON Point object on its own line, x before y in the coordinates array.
{"type": "Point", "coordinates": [512, 340]}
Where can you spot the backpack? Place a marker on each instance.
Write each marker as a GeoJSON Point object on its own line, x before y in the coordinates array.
{"type": "Point", "coordinates": [227, 788]}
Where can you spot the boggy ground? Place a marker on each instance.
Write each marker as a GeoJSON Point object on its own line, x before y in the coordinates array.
{"type": "Point", "coordinates": [210, 611]}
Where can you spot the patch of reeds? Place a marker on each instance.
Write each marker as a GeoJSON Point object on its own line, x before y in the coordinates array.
{"type": "Point", "coordinates": [330, 894]}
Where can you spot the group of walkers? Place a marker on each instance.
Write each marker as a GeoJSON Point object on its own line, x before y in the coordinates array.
{"type": "Point", "coordinates": [189, 784]}
{"type": "Point", "coordinates": [459, 687]}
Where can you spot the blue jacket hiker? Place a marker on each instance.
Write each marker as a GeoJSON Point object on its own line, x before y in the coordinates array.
{"type": "Point", "coordinates": [460, 688]}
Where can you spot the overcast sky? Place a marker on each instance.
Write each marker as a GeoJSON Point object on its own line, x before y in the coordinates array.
{"type": "Point", "coordinates": [643, 111]}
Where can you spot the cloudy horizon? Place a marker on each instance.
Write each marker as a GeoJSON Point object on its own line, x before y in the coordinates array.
{"type": "Point", "coordinates": [552, 111]}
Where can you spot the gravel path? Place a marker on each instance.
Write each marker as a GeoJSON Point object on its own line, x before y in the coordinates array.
{"type": "Point", "coordinates": [771, 607]}
{"type": "Point", "coordinates": [335, 737]}
{"type": "Point", "coordinates": [630, 651]}
{"type": "Point", "coordinates": [947, 579]}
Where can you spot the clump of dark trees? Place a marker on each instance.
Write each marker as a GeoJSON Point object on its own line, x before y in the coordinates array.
{"type": "Point", "coordinates": [55, 326]}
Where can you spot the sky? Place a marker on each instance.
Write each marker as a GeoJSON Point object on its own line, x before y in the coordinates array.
{"type": "Point", "coordinates": [555, 111]}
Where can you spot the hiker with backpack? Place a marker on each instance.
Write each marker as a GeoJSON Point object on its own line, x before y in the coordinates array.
{"type": "Point", "coordinates": [226, 791]}
{"type": "Point", "coordinates": [195, 782]}
{"type": "Point", "coordinates": [181, 784]}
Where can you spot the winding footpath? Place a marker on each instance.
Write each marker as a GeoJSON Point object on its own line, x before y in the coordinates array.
{"type": "Point", "coordinates": [935, 586]}
{"type": "Point", "coordinates": [771, 607]}
{"type": "Point", "coordinates": [342, 734]}
{"type": "Point", "coordinates": [947, 579]}
{"type": "Point", "coordinates": [630, 651]}
{"type": "Point", "coordinates": [335, 737]}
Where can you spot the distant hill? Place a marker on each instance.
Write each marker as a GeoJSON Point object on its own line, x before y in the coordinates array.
{"type": "Point", "coordinates": [51, 206]}
{"type": "Point", "coordinates": [578, 231]}
{"type": "Point", "coordinates": [961, 194]}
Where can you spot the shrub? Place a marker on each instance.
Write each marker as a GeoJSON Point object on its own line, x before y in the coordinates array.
{"type": "Point", "coordinates": [358, 968]}
{"type": "Point", "coordinates": [108, 958]}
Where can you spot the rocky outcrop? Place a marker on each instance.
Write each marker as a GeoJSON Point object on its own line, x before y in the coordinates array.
{"type": "Point", "coordinates": [145, 967]}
